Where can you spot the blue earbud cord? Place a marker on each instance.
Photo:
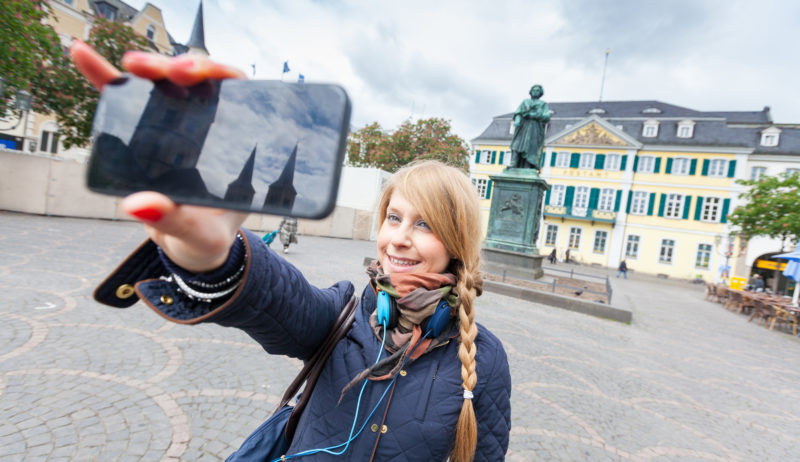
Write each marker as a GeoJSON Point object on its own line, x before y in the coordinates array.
{"type": "Point", "coordinates": [352, 437]}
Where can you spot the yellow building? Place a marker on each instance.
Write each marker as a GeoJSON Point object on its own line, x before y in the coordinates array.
{"type": "Point", "coordinates": [73, 19]}
{"type": "Point", "coordinates": [644, 181]}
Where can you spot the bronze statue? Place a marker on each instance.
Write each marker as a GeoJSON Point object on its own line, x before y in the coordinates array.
{"type": "Point", "coordinates": [530, 124]}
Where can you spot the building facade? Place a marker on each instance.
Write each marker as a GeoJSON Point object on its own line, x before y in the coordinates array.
{"type": "Point", "coordinates": [37, 133]}
{"type": "Point", "coordinates": [644, 181]}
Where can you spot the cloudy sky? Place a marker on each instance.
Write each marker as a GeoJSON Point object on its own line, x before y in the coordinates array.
{"type": "Point", "coordinates": [467, 61]}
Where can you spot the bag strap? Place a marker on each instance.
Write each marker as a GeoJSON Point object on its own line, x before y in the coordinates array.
{"type": "Point", "coordinates": [313, 368]}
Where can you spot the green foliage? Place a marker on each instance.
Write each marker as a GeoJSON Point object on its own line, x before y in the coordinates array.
{"type": "Point", "coordinates": [25, 46]}
{"type": "Point", "coordinates": [425, 139]}
{"type": "Point", "coordinates": [64, 91]}
{"type": "Point", "coordinates": [770, 208]}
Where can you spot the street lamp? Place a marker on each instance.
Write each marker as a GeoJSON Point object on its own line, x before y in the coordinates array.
{"type": "Point", "coordinates": [22, 104]}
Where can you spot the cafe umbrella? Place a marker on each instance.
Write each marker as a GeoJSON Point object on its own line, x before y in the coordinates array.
{"type": "Point", "coordinates": [792, 270]}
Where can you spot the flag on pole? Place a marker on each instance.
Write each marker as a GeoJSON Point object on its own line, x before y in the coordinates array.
{"type": "Point", "coordinates": [301, 78]}
{"type": "Point", "coordinates": [285, 67]}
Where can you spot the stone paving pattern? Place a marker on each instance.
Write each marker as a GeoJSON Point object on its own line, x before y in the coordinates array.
{"type": "Point", "coordinates": [687, 380]}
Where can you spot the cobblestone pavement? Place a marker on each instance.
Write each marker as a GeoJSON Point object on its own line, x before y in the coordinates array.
{"type": "Point", "coordinates": [687, 380]}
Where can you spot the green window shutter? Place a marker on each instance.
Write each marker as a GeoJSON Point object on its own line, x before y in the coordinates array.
{"type": "Point", "coordinates": [693, 167]}
{"type": "Point", "coordinates": [502, 154]}
{"type": "Point", "coordinates": [489, 189]}
{"type": "Point", "coordinates": [698, 210]}
{"type": "Point", "coordinates": [623, 162]}
{"type": "Point", "coordinates": [687, 204]}
{"type": "Point", "coordinates": [651, 204]}
{"type": "Point", "coordinates": [657, 167]}
{"type": "Point", "coordinates": [617, 200]}
{"type": "Point", "coordinates": [594, 194]}
{"type": "Point", "coordinates": [668, 169]}
{"type": "Point", "coordinates": [574, 160]}
{"type": "Point", "coordinates": [635, 163]}
{"type": "Point", "coordinates": [662, 204]}
{"type": "Point", "coordinates": [569, 195]}
{"type": "Point", "coordinates": [630, 199]}
{"type": "Point", "coordinates": [726, 204]}
{"type": "Point", "coordinates": [477, 157]}
{"type": "Point", "coordinates": [547, 196]}
{"type": "Point", "coordinates": [553, 159]}
{"type": "Point", "coordinates": [599, 161]}
{"type": "Point", "coordinates": [731, 168]}
{"type": "Point", "coordinates": [494, 156]}
{"type": "Point", "coordinates": [704, 172]}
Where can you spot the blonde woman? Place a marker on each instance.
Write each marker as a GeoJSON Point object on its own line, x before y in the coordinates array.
{"type": "Point", "coordinates": [430, 397]}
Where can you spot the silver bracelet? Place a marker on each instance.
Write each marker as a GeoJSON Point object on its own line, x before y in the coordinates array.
{"type": "Point", "coordinates": [223, 283]}
{"type": "Point", "coordinates": [203, 296]}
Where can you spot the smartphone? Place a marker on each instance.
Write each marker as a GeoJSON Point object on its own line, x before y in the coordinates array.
{"type": "Point", "coordinates": [250, 145]}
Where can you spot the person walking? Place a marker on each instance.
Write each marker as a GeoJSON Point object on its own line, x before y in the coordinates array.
{"type": "Point", "coordinates": [566, 256]}
{"type": "Point", "coordinates": [623, 269]}
{"type": "Point", "coordinates": [434, 393]}
{"type": "Point", "coordinates": [288, 232]}
{"type": "Point", "coordinates": [552, 257]}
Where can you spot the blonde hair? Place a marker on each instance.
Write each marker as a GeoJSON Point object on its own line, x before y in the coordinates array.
{"type": "Point", "coordinates": [447, 201]}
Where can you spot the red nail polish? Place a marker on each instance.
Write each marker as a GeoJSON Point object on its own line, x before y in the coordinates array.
{"type": "Point", "coordinates": [148, 214]}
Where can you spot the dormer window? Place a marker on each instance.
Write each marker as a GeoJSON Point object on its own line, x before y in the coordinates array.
{"type": "Point", "coordinates": [151, 32]}
{"type": "Point", "coordinates": [651, 110]}
{"type": "Point", "coordinates": [597, 110]}
{"type": "Point", "coordinates": [650, 129]}
{"type": "Point", "coordinates": [105, 10]}
{"type": "Point", "coordinates": [685, 129]}
{"type": "Point", "coordinates": [770, 137]}
{"type": "Point", "coordinates": [511, 127]}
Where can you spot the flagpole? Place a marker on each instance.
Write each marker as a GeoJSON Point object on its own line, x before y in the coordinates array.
{"type": "Point", "coordinates": [603, 79]}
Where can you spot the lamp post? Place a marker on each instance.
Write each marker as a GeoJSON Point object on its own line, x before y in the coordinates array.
{"type": "Point", "coordinates": [22, 105]}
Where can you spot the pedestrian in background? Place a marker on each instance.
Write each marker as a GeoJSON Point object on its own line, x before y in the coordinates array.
{"type": "Point", "coordinates": [288, 232]}
{"type": "Point", "coordinates": [623, 269]}
{"type": "Point", "coordinates": [552, 257]}
{"type": "Point", "coordinates": [566, 256]}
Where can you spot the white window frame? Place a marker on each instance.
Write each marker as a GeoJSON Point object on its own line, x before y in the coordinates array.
{"type": "Point", "coordinates": [685, 129]}
{"type": "Point", "coordinates": [770, 137]}
{"type": "Point", "coordinates": [551, 231]}
{"type": "Point", "coordinates": [792, 171]}
{"type": "Point", "coordinates": [557, 194]}
{"type": "Point", "coordinates": [606, 199]}
{"type": "Point", "coordinates": [632, 246]}
{"type": "Point", "coordinates": [481, 185]}
{"type": "Point", "coordinates": [562, 159]}
{"type": "Point", "coordinates": [684, 163]}
{"type": "Point", "coordinates": [718, 168]}
{"type": "Point", "coordinates": [674, 206]}
{"type": "Point", "coordinates": [711, 209]}
{"type": "Point", "coordinates": [757, 172]}
{"type": "Point", "coordinates": [580, 202]}
{"type": "Point", "coordinates": [511, 127]}
{"type": "Point", "coordinates": [604, 240]}
{"type": "Point", "coordinates": [639, 202]}
{"type": "Point", "coordinates": [666, 252]}
{"type": "Point", "coordinates": [650, 129]}
{"type": "Point", "coordinates": [151, 29]}
{"type": "Point", "coordinates": [506, 157]}
{"type": "Point", "coordinates": [51, 146]}
{"type": "Point", "coordinates": [574, 241]}
{"type": "Point", "coordinates": [705, 248]}
{"type": "Point", "coordinates": [485, 156]}
{"type": "Point", "coordinates": [613, 162]}
{"type": "Point", "coordinates": [646, 164]}
{"type": "Point", "coordinates": [587, 161]}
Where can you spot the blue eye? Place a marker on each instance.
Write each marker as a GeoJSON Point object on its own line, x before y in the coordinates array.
{"type": "Point", "coordinates": [424, 225]}
{"type": "Point", "coordinates": [392, 218]}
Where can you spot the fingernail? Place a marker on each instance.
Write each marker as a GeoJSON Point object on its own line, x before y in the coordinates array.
{"type": "Point", "coordinates": [148, 214]}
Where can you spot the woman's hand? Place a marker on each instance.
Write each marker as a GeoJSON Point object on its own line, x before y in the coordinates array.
{"type": "Point", "coordinates": [196, 238]}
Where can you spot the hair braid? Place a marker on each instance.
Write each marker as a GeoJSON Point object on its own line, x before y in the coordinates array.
{"type": "Point", "coordinates": [467, 429]}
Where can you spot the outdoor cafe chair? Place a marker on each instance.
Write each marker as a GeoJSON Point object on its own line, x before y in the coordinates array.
{"type": "Point", "coordinates": [746, 303]}
{"type": "Point", "coordinates": [762, 311]}
{"type": "Point", "coordinates": [783, 317]}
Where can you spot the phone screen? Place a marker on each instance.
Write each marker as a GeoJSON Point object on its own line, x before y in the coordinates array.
{"type": "Point", "coordinates": [258, 146]}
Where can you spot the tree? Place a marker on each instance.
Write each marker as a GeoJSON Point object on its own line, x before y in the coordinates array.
{"type": "Point", "coordinates": [424, 139]}
{"type": "Point", "coordinates": [27, 43]}
{"type": "Point", "coordinates": [61, 89]}
{"type": "Point", "coordinates": [770, 208]}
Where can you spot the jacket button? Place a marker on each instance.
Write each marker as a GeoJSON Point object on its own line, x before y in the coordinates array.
{"type": "Point", "coordinates": [384, 429]}
{"type": "Point", "coordinates": [124, 291]}
{"type": "Point", "coordinates": [374, 428]}
{"type": "Point", "coordinates": [403, 372]}
{"type": "Point", "coordinates": [166, 299]}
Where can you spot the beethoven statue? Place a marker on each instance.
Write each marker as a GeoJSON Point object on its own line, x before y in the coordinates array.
{"type": "Point", "coordinates": [530, 123]}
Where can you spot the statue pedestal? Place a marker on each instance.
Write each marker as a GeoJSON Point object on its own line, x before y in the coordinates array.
{"type": "Point", "coordinates": [517, 197]}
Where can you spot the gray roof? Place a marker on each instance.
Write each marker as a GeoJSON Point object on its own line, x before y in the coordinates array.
{"type": "Point", "coordinates": [712, 129]}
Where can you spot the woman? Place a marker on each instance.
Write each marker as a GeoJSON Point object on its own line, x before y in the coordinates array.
{"type": "Point", "coordinates": [449, 394]}
{"type": "Point", "coordinates": [288, 232]}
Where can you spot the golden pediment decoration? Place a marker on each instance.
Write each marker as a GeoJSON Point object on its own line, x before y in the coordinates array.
{"type": "Point", "coordinates": [593, 135]}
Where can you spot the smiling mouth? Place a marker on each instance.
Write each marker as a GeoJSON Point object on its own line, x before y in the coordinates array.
{"type": "Point", "coordinates": [402, 261]}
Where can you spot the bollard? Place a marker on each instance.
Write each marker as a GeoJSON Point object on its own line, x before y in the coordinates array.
{"type": "Point", "coordinates": [554, 286]}
{"type": "Point", "coordinates": [504, 275]}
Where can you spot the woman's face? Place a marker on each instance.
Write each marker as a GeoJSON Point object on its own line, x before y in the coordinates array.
{"type": "Point", "coordinates": [405, 242]}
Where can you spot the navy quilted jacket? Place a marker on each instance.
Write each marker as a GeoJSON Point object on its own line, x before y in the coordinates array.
{"type": "Point", "coordinates": [278, 308]}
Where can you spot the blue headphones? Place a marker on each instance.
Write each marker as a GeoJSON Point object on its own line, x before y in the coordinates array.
{"type": "Point", "coordinates": [433, 326]}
